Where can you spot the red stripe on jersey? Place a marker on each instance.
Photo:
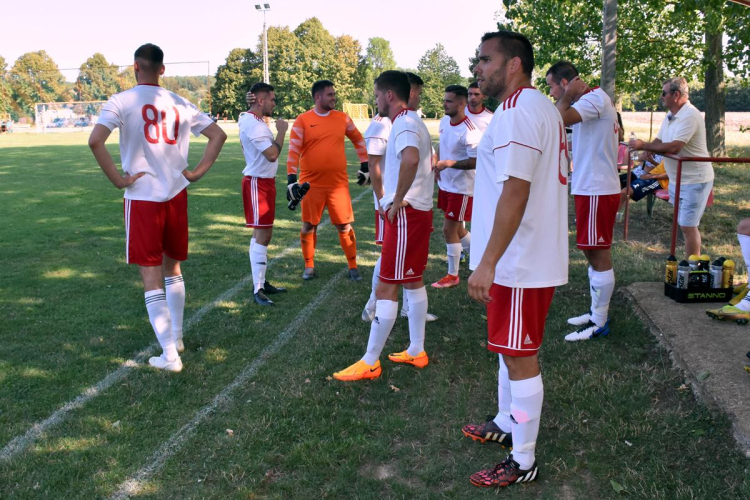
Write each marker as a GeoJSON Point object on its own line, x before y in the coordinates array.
{"type": "Point", "coordinates": [478, 112]}
{"type": "Point", "coordinates": [519, 144]}
{"type": "Point", "coordinates": [402, 113]}
{"type": "Point", "coordinates": [466, 119]}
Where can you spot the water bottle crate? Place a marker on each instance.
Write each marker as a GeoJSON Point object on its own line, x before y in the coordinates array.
{"type": "Point", "coordinates": [690, 295]}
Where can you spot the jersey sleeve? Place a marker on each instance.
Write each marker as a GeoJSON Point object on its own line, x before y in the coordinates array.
{"type": "Point", "coordinates": [296, 140]}
{"type": "Point", "coordinates": [590, 106]}
{"type": "Point", "coordinates": [376, 146]}
{"type": "Point", "coordinates": [471, 141]}
{"type": "Point", "coordinates": [359, 143]}
{"type": "Point", "coordinates": [110, 115]}
{"type": "Point", "coordinates": [517, 146]}
{"type": "Point", "coordinates": [376, 138]}
{"type": "Point", "coordinates": [199, 121]}
{"type": "Point", "coordinates": [256, 137]}
{"type": "Point", "coordinates": [407, 135]}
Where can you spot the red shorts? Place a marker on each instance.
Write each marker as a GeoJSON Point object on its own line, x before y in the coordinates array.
{"type": "Point", "coordinates": [595, 220]}
{"type": "Point", "coordinates": [456, 206]}
{"type": "Point", "coordinates": [406, 245]}
{"type": "Point", "coordinates": [154, 228]}
{"type": "Point", "coordinates": [515, 319]}
{"type": "Point", "coordinates": [336, 199]}
{"type": "Point", "coordinates": [379, 228]}
{"type": "Point", "coordinates": [259, 199]}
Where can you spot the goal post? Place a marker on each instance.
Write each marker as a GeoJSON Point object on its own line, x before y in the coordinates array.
{"type": "Point", "coordinates": [357, 111]}
{"type": "Point", "coordinates": [66, 116]}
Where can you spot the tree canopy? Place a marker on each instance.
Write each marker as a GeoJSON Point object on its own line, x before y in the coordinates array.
{"type": "Point", "coordinates": [438, 70]}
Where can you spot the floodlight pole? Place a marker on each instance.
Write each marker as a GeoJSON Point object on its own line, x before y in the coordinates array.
{"type": "Point", "coordinates": [264, 8]}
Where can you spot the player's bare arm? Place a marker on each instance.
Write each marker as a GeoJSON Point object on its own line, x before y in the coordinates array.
{"type": "Point", "coordinates": [376, 175]}
{"type": "Point", "coordinates": [467, 164]}
{"type": "Point", "coordinates": [406, 176]}
{"type": "Point", "coordinates": [216, 138]}
{"type": "Point", "coordinates": [656, 146]}
{"type": "Point", "coordinates": [575, 89]}
{"type": "Point", "coordinates": [274, 150]}
{"type": "Point", "coordinates": [97, 140]}
{"type": "Point", "coordinates": [508, 214]}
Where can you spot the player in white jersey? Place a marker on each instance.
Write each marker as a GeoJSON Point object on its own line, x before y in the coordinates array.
{"type": "Point", "coordinates": [520, 248]}
{"type": "Point", "coordinates": [261, 153]}
{"type": "Point", "coordinates": [476, 111]}
{"type": "Point", "coordinates": [154, 139]}
{"type": "Point", "coordinates": [376, 140]}
{"type": "Point", "coordinates": [595, 185]}
{"type": "Point", "coordinates": [406, 207]}
{"type": "Point", "coordinates": [459, 138]}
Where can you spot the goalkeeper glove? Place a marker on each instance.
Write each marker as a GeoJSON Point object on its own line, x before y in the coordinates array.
{"type": "Point", "coordinates": [293, 188]}
{"type": "Point", "coordinates": [363, 174]}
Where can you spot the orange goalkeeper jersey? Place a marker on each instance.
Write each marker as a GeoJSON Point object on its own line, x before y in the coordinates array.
{"type": "Point", "coordinates": [316, 148]}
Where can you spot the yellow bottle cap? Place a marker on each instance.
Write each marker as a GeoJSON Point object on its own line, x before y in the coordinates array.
{"type": "Point", "coordinates": [693, 257]}
{"type": "Point", "coordinates": [705, 257]}
{"type": "Point", "coordinates": [729, 263]}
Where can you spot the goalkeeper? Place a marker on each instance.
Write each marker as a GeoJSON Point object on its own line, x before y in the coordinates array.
{"type": "Point", "coordinates": [317, 156]}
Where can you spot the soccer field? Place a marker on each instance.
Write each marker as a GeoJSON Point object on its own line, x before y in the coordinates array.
{"type": "Point", "coordinates": [255, 414]}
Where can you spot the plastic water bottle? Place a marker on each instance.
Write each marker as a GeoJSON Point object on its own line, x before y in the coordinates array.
{"type": "Point", "coordinates": [717, 269]}
{"type": "Point", "coordinates": [683, 274]}
{"type": "Point", "coordinates": [634, 153]}
{"type": "Point", "coordinates": [671, 271]}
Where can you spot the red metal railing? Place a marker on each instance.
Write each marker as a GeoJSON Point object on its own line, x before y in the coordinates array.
{"type": "Point", "coordinates": [678, 181]}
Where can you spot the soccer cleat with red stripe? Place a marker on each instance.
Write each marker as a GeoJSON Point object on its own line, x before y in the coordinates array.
{"type": "Point", "coordinates": [420, 360]}
{"type": "Point", "coordinates": [447, 281]}
{"type": "Point", "coordinates": [359, 371]}
{"type": "Point", "coordinates": [488, 431]}
{"type": "Point", "coordinates": [504, 474]}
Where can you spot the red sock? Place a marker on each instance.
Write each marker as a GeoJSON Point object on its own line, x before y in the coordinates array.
{"type": "Point", "coordinates": [307, 242]}
{"type": "Point", "coordinates": [349, 245]}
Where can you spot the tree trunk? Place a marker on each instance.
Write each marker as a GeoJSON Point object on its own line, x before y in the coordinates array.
{"type": "Point", "coordinates": [609, 48]}
{"type": "Point", "coordinates": [715, 95]}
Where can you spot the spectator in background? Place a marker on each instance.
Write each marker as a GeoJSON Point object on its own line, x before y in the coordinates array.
{"type": "Point", "coordinates": [683, 133]}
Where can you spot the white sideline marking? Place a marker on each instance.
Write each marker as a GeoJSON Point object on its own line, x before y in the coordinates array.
{"type": "Point", "coordinates": [20, 443]}
{"type": "Point", "coordinates": [133, 485]}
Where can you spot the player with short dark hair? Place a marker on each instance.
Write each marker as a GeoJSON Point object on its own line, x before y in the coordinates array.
{"type": "Point", "coordinates": [520, 245]}
{"type": "Point", "coordinates": [595, 186]}
{"type": "Point", "coordinates": [479, 115]}
{"type": "Point", "coordinates": [154, 143]}
{"type": "Point", "coordinates": [455, 171]}
{"type": "Point", "coordinates": [317, 155]}
{"type": "Point", "coordinates": [406, 207]}
{"type": "Point", "coordinates": [261, 152]}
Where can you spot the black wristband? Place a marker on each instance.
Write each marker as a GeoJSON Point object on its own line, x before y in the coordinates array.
{"type": "Point", "coordinates": [291, 179]}
{"type": "Point", "coordinates": [278, 146]}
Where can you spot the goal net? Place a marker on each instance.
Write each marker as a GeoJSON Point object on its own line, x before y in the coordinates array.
{"type": "Point", "coordinates": [66, 116]}
{"type": "Point", "coordinates": [357, 111]}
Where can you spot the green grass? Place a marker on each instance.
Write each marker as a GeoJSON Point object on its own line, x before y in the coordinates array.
{"type": "Point", "coordinates": [72, 311]}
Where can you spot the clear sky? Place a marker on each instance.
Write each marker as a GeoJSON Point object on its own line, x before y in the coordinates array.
{"type": "Point", "coordinates": [193, 30]}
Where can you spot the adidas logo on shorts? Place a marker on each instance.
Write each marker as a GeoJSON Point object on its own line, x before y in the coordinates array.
{"type": "Point", "coordinates": [450, 214]}
{"type": "Point", "coordinates": [527, 340]}
{"type": "Point", "coordinates": [601, 240]}
{"type": "Point", "coordinates": [410, 272]}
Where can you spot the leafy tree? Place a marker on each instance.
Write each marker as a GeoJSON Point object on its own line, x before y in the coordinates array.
{"type": "Point", "coordinates": [97, 79]}
{"type": "Point", "coordinates": [232, 82]}
{"type": "Point", "coordinates": [378, 58]}
{"type": "Point", "coordinates": [126, 78]}
{"type": "Point", "coordinates": [5, 91]}
{"type": "Point", "coordinates": [438, 70]}
{"type": "Point", "coordinates": [36, 78]}
{"type": "Point", "coordinates": [344, 70]}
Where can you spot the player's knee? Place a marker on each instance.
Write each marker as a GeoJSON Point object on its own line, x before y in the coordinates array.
{"type": "Point", "coordinates": [744, 227]}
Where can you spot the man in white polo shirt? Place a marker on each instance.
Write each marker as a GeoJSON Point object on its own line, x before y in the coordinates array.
{"type": "Point", "coordinates": [455, 171]}
{"type": "Point", "coordinates": [261, 153]}
{"type": "Point", "coordinates": [595, 186]}
{"type": "Point", "coordinates": [406, 207]}
{"type": "Point", "coordinates": [520, 248]}
{"type": "Point", "coordinates": [683, 133]}
{"type": "Point", "coordinates": [154, 139]}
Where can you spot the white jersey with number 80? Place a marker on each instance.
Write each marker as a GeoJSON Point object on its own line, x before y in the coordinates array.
{"type": "Point", "coordinates": [154, 138]}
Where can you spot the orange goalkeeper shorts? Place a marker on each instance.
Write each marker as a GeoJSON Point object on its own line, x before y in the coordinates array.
{"type": "Point", "coordinates": [336, 199]}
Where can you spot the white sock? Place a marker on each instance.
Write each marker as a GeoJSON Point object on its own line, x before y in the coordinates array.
{"type": "Point", "coordinates": [380, 328]}
{"type": "Point", "coordinates": [158, 314]}
{"type": "Point", "coordinates": [375, 280]}
{"type": "Point", "coordinates": [417, 319]}
{"type": "Point", "coordinates": [405, 305]}
{"type": "Point", "coordinates": [525, 409]}
{"type": "Point", "coordinates": [175, 287]}
{"type": "Point", "coordinates": [454, 256]}
{"type": "Point", "coordinates": [602, 287]}
{"type": "Point", "coordinates": [502, 419]}
{"type": "Point", "coordinates": [466, 243]}
{"type": "Point", "coordinates": [258, 264]}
